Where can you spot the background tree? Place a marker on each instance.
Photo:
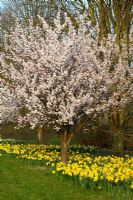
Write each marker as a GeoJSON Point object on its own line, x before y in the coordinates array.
{"type": "Point", "coordinates": [25, 9]}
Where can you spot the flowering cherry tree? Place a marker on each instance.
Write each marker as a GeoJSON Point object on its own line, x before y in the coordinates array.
{"type": "Point", "coordinates": [8, 105]}
{"type": "Point", "coordinates": [64, 77]}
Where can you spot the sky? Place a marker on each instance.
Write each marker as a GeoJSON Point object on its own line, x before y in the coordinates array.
{"type": "Point", "coordinates": [0, 4]}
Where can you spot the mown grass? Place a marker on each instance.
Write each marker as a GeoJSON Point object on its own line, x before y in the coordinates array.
{"type": "Point", "coordinates": [22, 181]}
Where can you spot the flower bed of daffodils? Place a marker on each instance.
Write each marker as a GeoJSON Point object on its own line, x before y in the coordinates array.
{"type": "Point", "coordinates": [84, 167]}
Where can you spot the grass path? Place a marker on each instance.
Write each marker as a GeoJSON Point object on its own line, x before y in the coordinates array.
{"type": "Point", "coordinates": [22, 181]}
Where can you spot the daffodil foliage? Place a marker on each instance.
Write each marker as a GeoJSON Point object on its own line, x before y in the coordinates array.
{"type": "Point", "coordinates": [87, 168]}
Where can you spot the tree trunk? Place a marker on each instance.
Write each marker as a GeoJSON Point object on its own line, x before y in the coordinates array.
{"type": "Point", "coordinates": [118, 142]}
{"type": "Point", "coordinates": [40, 135]}
{"type": "Point", "coordinates": [65, 140]}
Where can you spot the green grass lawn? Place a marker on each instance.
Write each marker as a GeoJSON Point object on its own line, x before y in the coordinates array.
{"type": "Point", "coordinates": [22, 181]}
